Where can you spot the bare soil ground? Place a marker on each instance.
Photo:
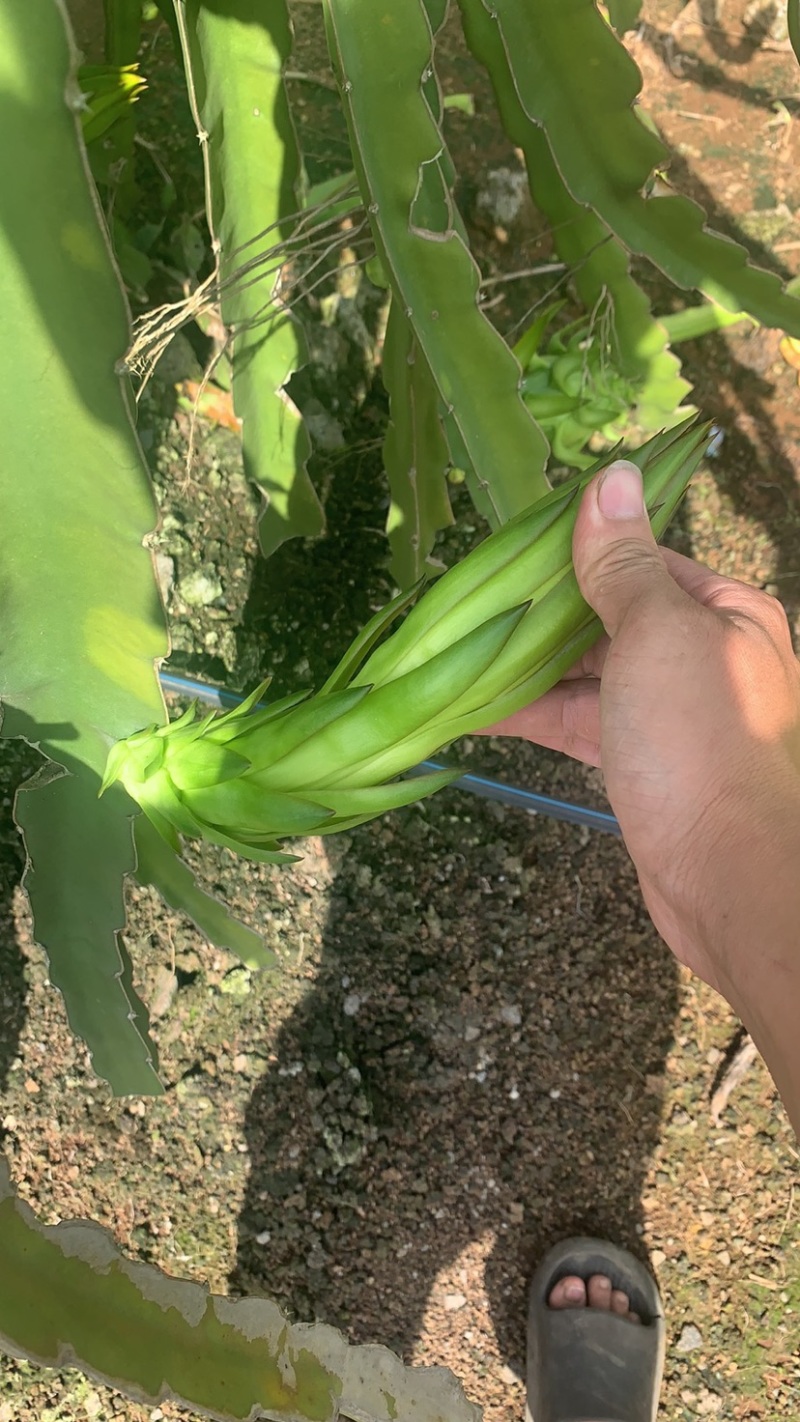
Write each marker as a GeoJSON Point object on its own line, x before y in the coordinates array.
{"type": "Point", "coordinates": [476, 1043]}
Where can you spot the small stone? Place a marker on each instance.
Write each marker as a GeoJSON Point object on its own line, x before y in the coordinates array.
{"type": "Point", "coordinates": [351, 1004]}
{"type": "Point", "coordinates": [708, 1404]}
{"type": "Point", "coordinates": [471, 1033]}
{"type": "Point", "coordinates": [200, 589]}
{"type": "Point", "coordinates": [511, 1014]}
{"type": "Point", "coordinates": [165, 572]}
{"type": "Point", "coordinates": [691, 1339]}
{"type": "Point", "coordinates": [509, 1376]}
{"type": "Point", "coordinates": [453, 1302]}
{"type": "Point", "coordinates": [724, 1258]}
{"type": "Point", "coordinates": [325, 430]}
{"type": "Point", "coordinates": [657, 1258]}
{"type": "Point", "coordinates": [503, 195]}
{"type": "Point", "coordinates": [264, 1237]}
{"type": "Point", "coordinates": [164, 990]}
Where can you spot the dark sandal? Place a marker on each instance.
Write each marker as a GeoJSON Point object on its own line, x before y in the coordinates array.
{"type": "Point", "coordinates": [586, 1364]}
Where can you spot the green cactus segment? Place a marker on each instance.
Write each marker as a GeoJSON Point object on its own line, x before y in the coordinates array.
{"type": "Point", "coordinates": [80, 634]}
{"type": "Point", "coordinates": [404, 172]}
{"type": "Point", "coordinates": [123, 30]}
{"type": "Point", "coordinates": [235, 58]}
{"type": "Point", "coordinates": [82, 620]}
{"type": "Point", "coordinates": [415, 454]}
{"type": "Point", "coordinates": [607, 154]}
{"type": "Point", "coordinates": [624, 14]}
{"type": "Point", "coordinates": [694, 322]}
{"type": "Point", "coordinates": [793, 20]}
{"type": "Point", "coordinates": [79, 851]}
{"type": "Point", "coordinates": [491, 635]}
{"type": "Point", "coordinates": [632, 346]}
{"type": "Point", "coordinates": [76, 1301]}
{"type": "Point", "coordinates": [158, 865]}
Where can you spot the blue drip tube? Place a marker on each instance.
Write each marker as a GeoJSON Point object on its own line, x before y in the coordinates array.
{"type": "Point", "coordinates": [497, 790]}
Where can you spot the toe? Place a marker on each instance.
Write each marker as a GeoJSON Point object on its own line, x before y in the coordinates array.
{"type": "Point", "coordinates": [599, 1291]}
{"type": "Point", "coordinates": [568, 1293]}
{"type": "Point", "coordinates": [621, 1304]}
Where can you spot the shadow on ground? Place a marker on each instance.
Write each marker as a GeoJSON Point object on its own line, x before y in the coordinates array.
{"type": "Point", "coordinates": [478, 1064]}
{"type": "Point", "coordinates": [757, 33]}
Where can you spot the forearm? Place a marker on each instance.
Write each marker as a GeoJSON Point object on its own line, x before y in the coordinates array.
{"type": "Point", "coordinates": [757, 946]}
{"type": "Point", "coordinates": [773, 1020]}
{"type": "Point", "coordinates": [763, 987]}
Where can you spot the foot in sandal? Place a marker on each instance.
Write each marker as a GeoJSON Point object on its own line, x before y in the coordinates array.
{"type": "Point", "coordinates": [595, 1336]}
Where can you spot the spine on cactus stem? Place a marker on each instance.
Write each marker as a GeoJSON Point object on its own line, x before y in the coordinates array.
{"type": "Point", "coordinates": [490, 636]}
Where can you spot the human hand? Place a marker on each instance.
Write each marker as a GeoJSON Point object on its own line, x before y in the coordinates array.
{"type": "Point", "coordinates": [691, 706]}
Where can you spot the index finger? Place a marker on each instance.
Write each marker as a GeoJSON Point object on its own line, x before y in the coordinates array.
{"type": "Point", "coordinates": [705, 586]}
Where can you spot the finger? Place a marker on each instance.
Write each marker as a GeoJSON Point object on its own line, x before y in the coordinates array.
{"type": "Point", "coordinates": [619, 566]}
{"type": "Point", "coordinates": [592, 662]}
{"type": "Point", "coordinates": [565, 719]}
{"type": "Point", "coordinates": [705, 586]}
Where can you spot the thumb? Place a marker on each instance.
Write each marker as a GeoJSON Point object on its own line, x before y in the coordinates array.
{"type": "Point", "coordinates": [617, 560]}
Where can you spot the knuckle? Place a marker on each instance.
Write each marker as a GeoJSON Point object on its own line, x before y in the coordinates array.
{"type": "Point", "coordinates": [770, 616]}
{"type": "Point", "coordinates": [625, 558]}
{"type": "Point", "coordinates": [775, 614]}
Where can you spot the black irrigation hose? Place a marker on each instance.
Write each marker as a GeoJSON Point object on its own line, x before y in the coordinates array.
{"type": "Point", "coordinates": [496, 790]}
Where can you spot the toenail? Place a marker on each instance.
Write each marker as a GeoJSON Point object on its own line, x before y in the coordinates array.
{"type": "Point", "coordinates": [574, 1292]}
